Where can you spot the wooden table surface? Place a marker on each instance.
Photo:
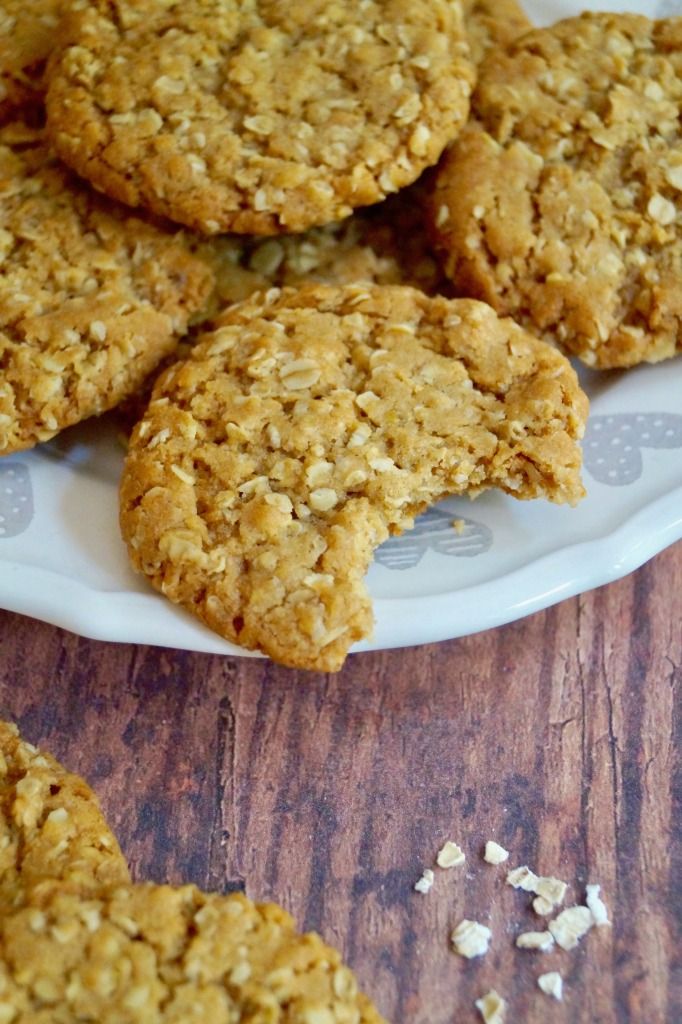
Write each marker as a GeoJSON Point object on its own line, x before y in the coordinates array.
{"type": "Point", "coordinates": [329, 794]}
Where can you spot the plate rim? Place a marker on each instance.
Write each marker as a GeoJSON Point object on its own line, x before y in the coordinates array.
{"type": "Point", "coordinates": [124, 616]}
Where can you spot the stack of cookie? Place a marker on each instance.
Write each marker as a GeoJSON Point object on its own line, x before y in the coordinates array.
{"type": "Point", "coordinates": [80, 942]}
{"type": "Point", "coordinates": [334, 387]}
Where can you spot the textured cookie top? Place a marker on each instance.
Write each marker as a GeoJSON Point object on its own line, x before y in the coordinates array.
{"type": "Point", "coordinates": [91, 299]}
{"type": "Point", "coordinates": [307, 426]}
{"type": "Point", "coordinates": [561, 203]}
{"type": "Point", "coordinates": [262, 116]}
{"type": "Point", "coordinates": [385, 244]}
{"type": "Point", "coordinates": [492, 23]}
{"type": "Point", "coordinates": [51, 826]}
{"type": "Point", "coordinates": [151, 954]}
{"type": "Point", "coordinates": [27, 30]}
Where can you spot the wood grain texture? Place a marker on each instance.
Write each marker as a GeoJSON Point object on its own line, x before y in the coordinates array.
{"type": "Point", "coordinates": [558, 736]}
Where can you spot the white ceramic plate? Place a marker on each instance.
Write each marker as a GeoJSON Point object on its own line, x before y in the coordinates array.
{"type": "Point", "coordinates": [62, 560]}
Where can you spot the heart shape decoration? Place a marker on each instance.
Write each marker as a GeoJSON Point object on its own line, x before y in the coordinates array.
{"type": "Point", "coordinates": [612, 445]}
{"type": "Point", "coordinates": [16, 499]}
{"type": "Point", "coordinates": [435, 530]}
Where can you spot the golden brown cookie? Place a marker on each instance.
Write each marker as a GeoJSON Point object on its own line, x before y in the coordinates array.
{"type": "Point", "coordinates": [78, 942]}
{"type": "Point", "coordinates": [308, 426]}
{"type": "Point", "coordinates": [51, 827]}
{"type": "Point", "coordinates": [152, 954]}
{"type": "Point", "coordinates": [27, 31]}
{"type": "Point", "coordinates": [257, 118]}
{"type": "Point", "coordinates": [561, 203]}
{"type": "Point", "coordinates": [493, 23]}
{"type": "Point", "coordinates": [91, 299]}
{"type": "Point", "coordinates": [384, 244]}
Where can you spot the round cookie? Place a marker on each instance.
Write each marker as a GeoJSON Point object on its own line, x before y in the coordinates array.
{"type": "Point", "coordinates": [310, 424]}
{"type": "Point", "coordinates": [491, 24]}
{"type": "Point", "coordinates": [152, 954]}
{"type": "Point", "coordinates": [261, 117]}
{"type": "Point", "coordinates": [561, 202]}
{"type": "Point", "coordinates": [27, 30]}
{"type": "Point", "coordinates": [91, 298]}
{"type": "Point", "coordinates": [51, 827]}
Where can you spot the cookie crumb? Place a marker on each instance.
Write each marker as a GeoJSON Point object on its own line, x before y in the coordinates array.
{"type": "Point", "coordinates": [423, 884]}
{"type": "Point", "coordinates": [541, 941]}
{"type": "Point", "coordinates": [552, 985]}
{"type": "Point", "coordinates": [551, 889]}
{"type": "Point", "coordinates": [450, 856]}
{"type": "Point", "coordinates": [570, 926]}
{"type": "Point", "coordinates": [471, 939]}
{"type": "Point", "coordinates": [492, 1007]}
{"type": "Point", "coordinates": [494, 853]}
{"type": "Point", "coordinates": [596, 905]}
{"type": "Point", "coordinates": [522, 878]}
{"type": "Point", "coordinates": [542, 906]}
{"type": "Point", "coordinates": [459, 526]}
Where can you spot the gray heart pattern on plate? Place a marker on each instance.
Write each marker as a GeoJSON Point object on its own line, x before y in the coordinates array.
{"type": "Point", "coordinates": [612, 444]}
{"type": "Point", "coordinates": [435, 530]}
{"type": "Point", "coordinates": [16, 499]}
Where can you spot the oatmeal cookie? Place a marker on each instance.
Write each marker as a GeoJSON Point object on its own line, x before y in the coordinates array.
{"type": "Point", "coordinates": [91, 298]}
{"type": "Point", "coordinates": [384, 244]}
{"type": "Point", "coordinates": [79, 942]}
{"type": "Point", "coordinates": [258, 117]}
{"type": "Point", "coordinates": [493, 23]}
{"type": "Point", "coordinates": [51, 827]}
{"type": "Point", "coordinates": [561, 202]}
{"type": "Point", "coordinates": [310, 424]}
{"type": "Point", "coordinates": [27, 29]}
{"type": "Point", "coordinates": [152, 954]}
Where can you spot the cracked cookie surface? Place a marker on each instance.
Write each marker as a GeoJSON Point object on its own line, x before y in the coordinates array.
{"type": "Point", "coordinates": [561, 202]}
{"type": "Point", "coordinates": [261, 117]}
{"type": "Point", "coordinates": [27, 29]}
{"type": "Point", "coordinates": [51, 827]}
{"type": "Point", "coordinates": [310, 424]}
{"type": "Point", "coordinates": [91, 298]}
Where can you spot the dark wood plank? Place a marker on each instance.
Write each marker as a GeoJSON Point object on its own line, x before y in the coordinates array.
{"type": "Point", "coordinates": [554, 735]}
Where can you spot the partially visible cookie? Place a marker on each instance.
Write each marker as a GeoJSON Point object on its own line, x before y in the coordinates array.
{"type": "Point", "coordinates": [27, 31]}
{"type": "Point", "coordinates": [149, 954]}
{"type": "Point", "coordinates": [493, 23]}
{"type": "Point", "coordinates": [561, 202]}
{"type": "Point", "coordinates": [257, 118]}
{"type": "Point", "coordinates": [78, 942]}
{"type": "Point", "coordinates": [308, 426]}
{"type": "Point", "coordinates": [385, 244]}
{"type": "Point", "coordinates": [51, 827]}
{"type": "Point", "coordinates": [91, 298]}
